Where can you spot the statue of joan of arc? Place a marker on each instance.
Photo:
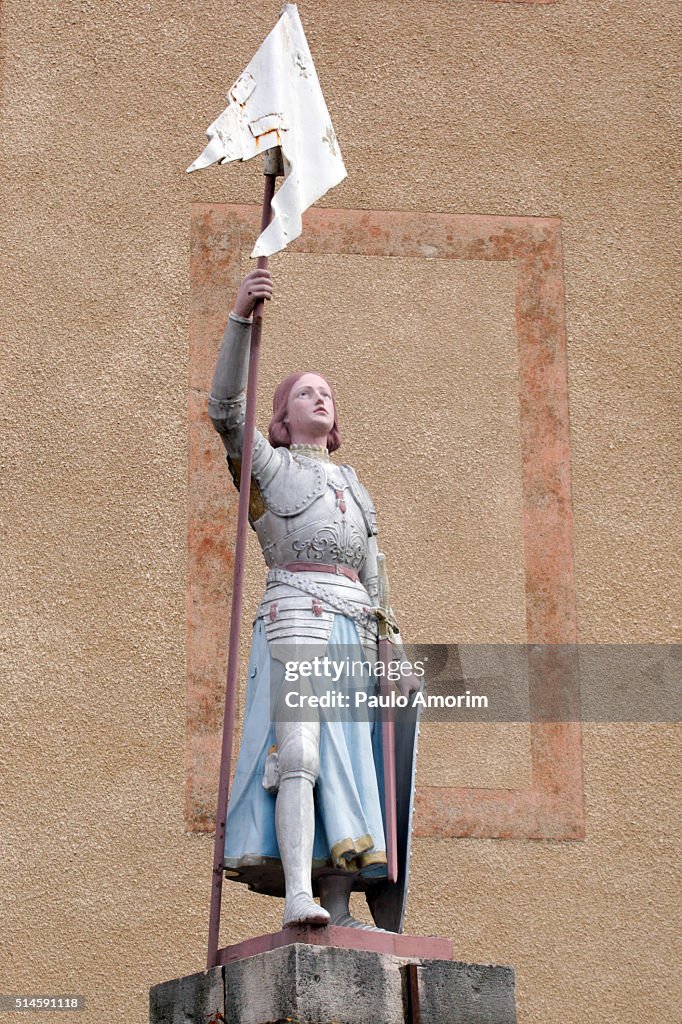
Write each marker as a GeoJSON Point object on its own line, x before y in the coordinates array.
{"type": "Point", "coordinates": [306, 811]}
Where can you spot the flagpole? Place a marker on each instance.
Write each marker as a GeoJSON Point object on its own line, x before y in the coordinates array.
{"type": "Point", "coordinates": [272, 169]}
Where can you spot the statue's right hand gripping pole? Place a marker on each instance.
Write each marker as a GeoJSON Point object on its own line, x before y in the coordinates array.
{"type": "Point", "coordinates": [272, 169]}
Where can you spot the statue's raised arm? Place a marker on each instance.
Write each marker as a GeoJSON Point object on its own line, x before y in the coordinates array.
{"type": "Point", "coordinates": [227, 399]}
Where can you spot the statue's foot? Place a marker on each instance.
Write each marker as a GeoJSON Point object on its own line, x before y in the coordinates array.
{"type": "Point", "coordinates": [302, 909]}
{"type": "Point", "coordinates": [348, 921]}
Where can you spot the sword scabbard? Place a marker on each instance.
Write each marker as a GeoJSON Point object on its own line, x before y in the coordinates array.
{"type": "Point", "coordinates": [386, 628]}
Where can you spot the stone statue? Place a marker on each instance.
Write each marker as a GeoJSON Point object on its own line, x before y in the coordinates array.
{"type": "Point", "coordinates": [305, 811]}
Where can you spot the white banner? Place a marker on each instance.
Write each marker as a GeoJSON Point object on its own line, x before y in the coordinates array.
{"type": "Point", "coordinates": [277, 101]}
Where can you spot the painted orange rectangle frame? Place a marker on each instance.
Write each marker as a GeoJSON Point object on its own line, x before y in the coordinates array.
{"type": "Point", "coordinates": [552, 806]}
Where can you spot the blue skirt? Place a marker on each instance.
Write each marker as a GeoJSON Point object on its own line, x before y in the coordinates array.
{"type": "Point", "coordinates": [349, 792]}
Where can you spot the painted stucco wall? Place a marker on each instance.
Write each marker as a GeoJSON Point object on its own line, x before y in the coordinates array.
{"type": "Point", "coordinates": [457, 106]}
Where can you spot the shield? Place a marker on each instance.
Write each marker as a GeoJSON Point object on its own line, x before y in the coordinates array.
{"type": "Point", "coordinates": [388, 900]}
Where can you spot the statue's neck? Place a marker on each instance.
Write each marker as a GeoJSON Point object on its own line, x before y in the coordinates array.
{"type": "Point", "coordinates": [311, 451]}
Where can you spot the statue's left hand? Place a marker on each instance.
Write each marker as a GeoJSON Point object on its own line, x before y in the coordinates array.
{"type": "Point", "coordinates": [408, 684]}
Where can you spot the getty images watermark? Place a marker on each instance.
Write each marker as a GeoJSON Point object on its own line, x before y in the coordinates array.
{"type": "Point", "coordinates": [479, 682]}
{"type": "Point", "coordinates": [340, 689]}
{"type": "Point", "coordinates": [309, 682]}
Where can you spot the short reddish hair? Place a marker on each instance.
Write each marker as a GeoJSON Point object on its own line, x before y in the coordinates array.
{"type": "Point", "coordinates": [278, 431]}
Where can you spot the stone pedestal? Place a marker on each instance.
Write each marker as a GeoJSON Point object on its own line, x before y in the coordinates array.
{"type": "Point", "coordinates": [301, 983]}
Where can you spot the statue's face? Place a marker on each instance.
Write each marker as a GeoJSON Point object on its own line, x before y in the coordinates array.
{"type": "Point", "coordinates": [310, 410]}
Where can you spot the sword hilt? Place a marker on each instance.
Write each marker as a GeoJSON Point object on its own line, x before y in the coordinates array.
{"type": "Point", "coordinates": [388, 627]}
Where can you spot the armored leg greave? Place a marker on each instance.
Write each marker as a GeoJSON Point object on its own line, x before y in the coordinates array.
{"type": "Point", "coordinates": [298, 751]}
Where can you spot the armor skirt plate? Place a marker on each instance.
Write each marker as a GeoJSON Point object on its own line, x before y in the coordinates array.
{"type": "Point", "coordinates": [302, 607]}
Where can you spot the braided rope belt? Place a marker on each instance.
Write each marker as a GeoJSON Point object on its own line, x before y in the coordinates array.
{"type": "Point", "coordinates": [365, 616]}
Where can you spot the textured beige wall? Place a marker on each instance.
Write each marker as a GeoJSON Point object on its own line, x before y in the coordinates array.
{"type": "Point", "coordinates": [565, 110]}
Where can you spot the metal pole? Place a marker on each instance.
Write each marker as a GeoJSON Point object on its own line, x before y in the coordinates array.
{"type": "Point", "coordinates": [237, 596]}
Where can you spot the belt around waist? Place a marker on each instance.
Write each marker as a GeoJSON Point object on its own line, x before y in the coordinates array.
{"type": "Point", "coordinates": [337, 570]}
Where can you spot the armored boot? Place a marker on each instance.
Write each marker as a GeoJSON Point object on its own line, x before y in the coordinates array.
{"type": "Point", "coordinates": [335, 890]}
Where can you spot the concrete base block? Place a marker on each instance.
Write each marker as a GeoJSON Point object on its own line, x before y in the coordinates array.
{"type": "Point", "coordinates": [196, 999]}
{"type": "Point", "coordinates": [309, 984]}
{"type": "Point", "coordinates": [459, 993]}
{"type": "Point", "coordinates": [313, 985]}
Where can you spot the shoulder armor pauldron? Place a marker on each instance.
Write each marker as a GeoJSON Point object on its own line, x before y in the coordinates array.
{"type": "Point", "coordinates": [281, 483]}
{"type": "Point", "coordinates": [296, 484]}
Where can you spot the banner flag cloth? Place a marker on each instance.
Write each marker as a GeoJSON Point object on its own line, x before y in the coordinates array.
{"type": "Point", "coordinates": [277, 101]}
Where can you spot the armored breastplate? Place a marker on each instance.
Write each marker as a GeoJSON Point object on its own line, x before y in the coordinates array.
{"type": "Point", "coordinates": [331, 527]}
